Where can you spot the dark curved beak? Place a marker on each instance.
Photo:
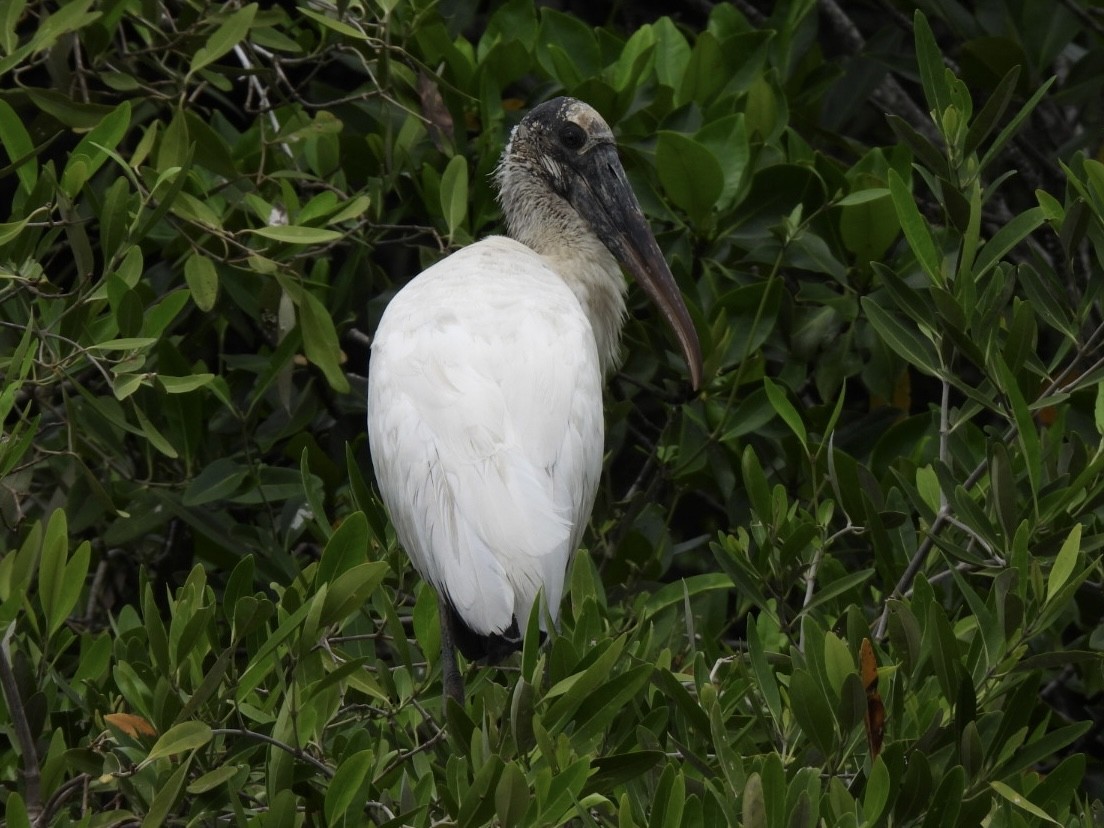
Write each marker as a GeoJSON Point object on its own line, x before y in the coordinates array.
{"type": "Point", "coordinates": [602, 195]}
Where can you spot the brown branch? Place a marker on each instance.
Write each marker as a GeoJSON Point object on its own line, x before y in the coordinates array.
{"type": "Point", "coordinates": [889, 95]}
{"type": "Point", "coordinates": [64, 791]}
{"type": "Point", "coordinates": [298, 753]}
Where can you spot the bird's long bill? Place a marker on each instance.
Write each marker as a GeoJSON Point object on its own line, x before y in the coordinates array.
{"type": "Point", "coordinates": [605, 199]}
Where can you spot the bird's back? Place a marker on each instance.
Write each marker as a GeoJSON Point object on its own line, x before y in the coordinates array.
{"type": "Point", "coordinates": [485, 426]}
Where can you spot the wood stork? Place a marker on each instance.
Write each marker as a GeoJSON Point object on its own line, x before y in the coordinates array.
{"type": "Point", "coordinates": [485, 382]}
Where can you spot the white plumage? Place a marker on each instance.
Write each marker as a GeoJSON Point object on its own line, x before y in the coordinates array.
{"type": "Point", "coordinates": [486, 428]}
{"type": "Point", "coordinates": [485, 384]}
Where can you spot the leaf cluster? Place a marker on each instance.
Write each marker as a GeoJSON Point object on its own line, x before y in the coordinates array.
{"type": "Point", "coordinates": [204, 614]}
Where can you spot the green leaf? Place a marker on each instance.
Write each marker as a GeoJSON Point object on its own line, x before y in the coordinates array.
{"type": "Point", "coordinates": [76, 571]}
{"type": "Point", "coordinates": [1043, 748]}
{"type": "Point", "coordinates": [293, 234]}
{"type": "Point", "coordinates": [511, 795]}
{"type": "Point", "coordinates": [213, 779]}
{"type": "Point", "coordinates": [202, 279]}
{"type": "Point", "coordinates": [166, 796]}
{"type": "Point", "coordinates": [1013, 126]}
{"type": "Point", "coordinates": [672, 52]}
{"type": "Point", "coordinates": [701, 81]}
{"type": "Point", "coordinates": [726, 138]}
{"type": "Point", "coordinates": [13, 229]}
{"type": "Point", "coordinates": [838, 586]}
{"type": "Point", "coordinates": [812, 711]}
{"type": "Point", "coordinates": [312, 490]}
{"type": "Point", "coordinates": [351, 590]}
{"type": "Point", "coordinates": [1098, 409]}
{"type": "Point", "coordinates": [179, 739]}
{"type": "Point", "coordinates": [754, 805]}
{"type": "Point", "coordinates": [564, 791]}
{"type": "Point", "coordinates": [454, 193]}
{"type": "Point", "coordinates": [838, 660]}
{"type": "Point", "coordinates": [670, 799]}
{"type": "Point", "coordinates": [867, 226]}
{"type": "Point", "coordinates": [92, 151]}
{"type": "Point", "coordinates": [347, 788]}
{"type": "Point", "coordinates": [993, 110]}
{"type": "Point", "coordinates": [1006, 238]}
{"type": "Point", "coordinates": [151, 433]}
{"type": "Point", "coordinates": [1021, 801]}
{"type": "Point", "coordinates": [674, 593]}
{"type": "Point", "coordinates": [18, 145]}
{"type": "Point", "coordinates": [785, 409]}
{"type": "Point", "coordinates": [228, 35]}
{"type": "Point", "coordinates": [478, 803]}
{"type": "Point", "coordinates": [176, 176]}
{"type": "Point", "coordinates": [15, 810]}
{"type": "Point", "coordinates": [183, 385]}
{"type": "Point", "coordinates": [1064, 563]}
{"type": "Point", "coordinates": [690, 174]}
{"type": "Point", "coordinates": [115, 218]}
{"type": "Point", "coordinates": [320, 340]}
{"type": "Point", "coordinates": [765, 109]}
{"type": "Point", "coordinates": [765, 678]}
{"type": "Point", "coordinates": [930, 61]}
{"type": "Point", "coordinates": [68, 18]}
{"type": "Point", "coordinates": [916, 229]}
{"type": "Point", "coordinates": [619, 768]}
{"type": "Point", "coordinates": [596, 714]}
{"type": "Point", "coordinates": [925, 152]}
{"type": "Point", "coordinates": [572, 691]}
{"type": "Point", "coordinates": [10, 15]}
{"type": "Point", "coordinates": [335, 25]}
{"type": "Point", "coordinates": [52, 570]}
{"type": "Point", "coordinates": [863, 197]}
{"type": "Point", "coordinates": [944, 806]}
{"type": "Point", "coordinates": [1026, 434]}
{"type": "Point", "coordinates": [755, 484]}
{"type": "Point", "coordinates": [352, 209]}
{"type": "Point", "coordinates": [944, 650]}
{"type": "Point", "coordinates": [581, 56]}
{"type": "Point", "coordinates": [903, 339]}
{"type": "Point", "coordinates": [878, 787]}
{"type": "Point", "coordinates": [219, 480]}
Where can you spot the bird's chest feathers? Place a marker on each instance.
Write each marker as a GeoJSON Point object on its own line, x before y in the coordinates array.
{"type": "Point", "coordinates": [595, 279]}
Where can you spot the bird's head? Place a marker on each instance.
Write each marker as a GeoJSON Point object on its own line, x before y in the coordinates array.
{"type": "Point", "coordinates": [564, 148]}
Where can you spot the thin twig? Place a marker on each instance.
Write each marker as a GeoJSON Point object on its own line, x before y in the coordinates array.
{"type": "Point", "coordinates": [298, 753]}
{"type": "Point", "coordinates": [810, 590]}
{"type": "Point", "coordinates": [262, 93]}
{"type": "Point", "coordinates": [944, 435]}
{"type": "Point", "coordinates": [64, 791]}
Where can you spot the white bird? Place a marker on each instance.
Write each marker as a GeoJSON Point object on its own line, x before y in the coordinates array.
{"type": "Point", "coordinates": [485, 382]}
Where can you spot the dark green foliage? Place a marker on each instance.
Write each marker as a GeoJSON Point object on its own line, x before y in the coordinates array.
{"type": "Point", "coordinates": [204, 615]}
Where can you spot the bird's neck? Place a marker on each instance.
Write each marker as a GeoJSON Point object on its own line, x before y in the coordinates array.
{"type": "Point", "coordinates": [549, 226]}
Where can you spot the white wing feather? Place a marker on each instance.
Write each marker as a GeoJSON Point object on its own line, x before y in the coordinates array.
{"type": "Point", "coordinates": [485, 426]}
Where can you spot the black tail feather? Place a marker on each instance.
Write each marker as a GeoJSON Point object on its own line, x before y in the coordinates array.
{"type": "Point", "coordinates": [489, 649]}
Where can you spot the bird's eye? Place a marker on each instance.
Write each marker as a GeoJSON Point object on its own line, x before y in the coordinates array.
{"type": "Point", "coordinates": [572, 136]}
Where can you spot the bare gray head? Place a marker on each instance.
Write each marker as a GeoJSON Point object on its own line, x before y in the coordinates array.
{"type": "Point", "coordinates": [565, 195]}
{"type": "Point", "coordinates": [550, 144]}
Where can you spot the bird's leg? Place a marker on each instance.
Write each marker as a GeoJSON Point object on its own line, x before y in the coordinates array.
{"type": "Point", "coordinates": [450, 672]}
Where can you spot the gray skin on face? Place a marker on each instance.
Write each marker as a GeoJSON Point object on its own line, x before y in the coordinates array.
{"type": "Point", "coordinates": [565, 195]}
